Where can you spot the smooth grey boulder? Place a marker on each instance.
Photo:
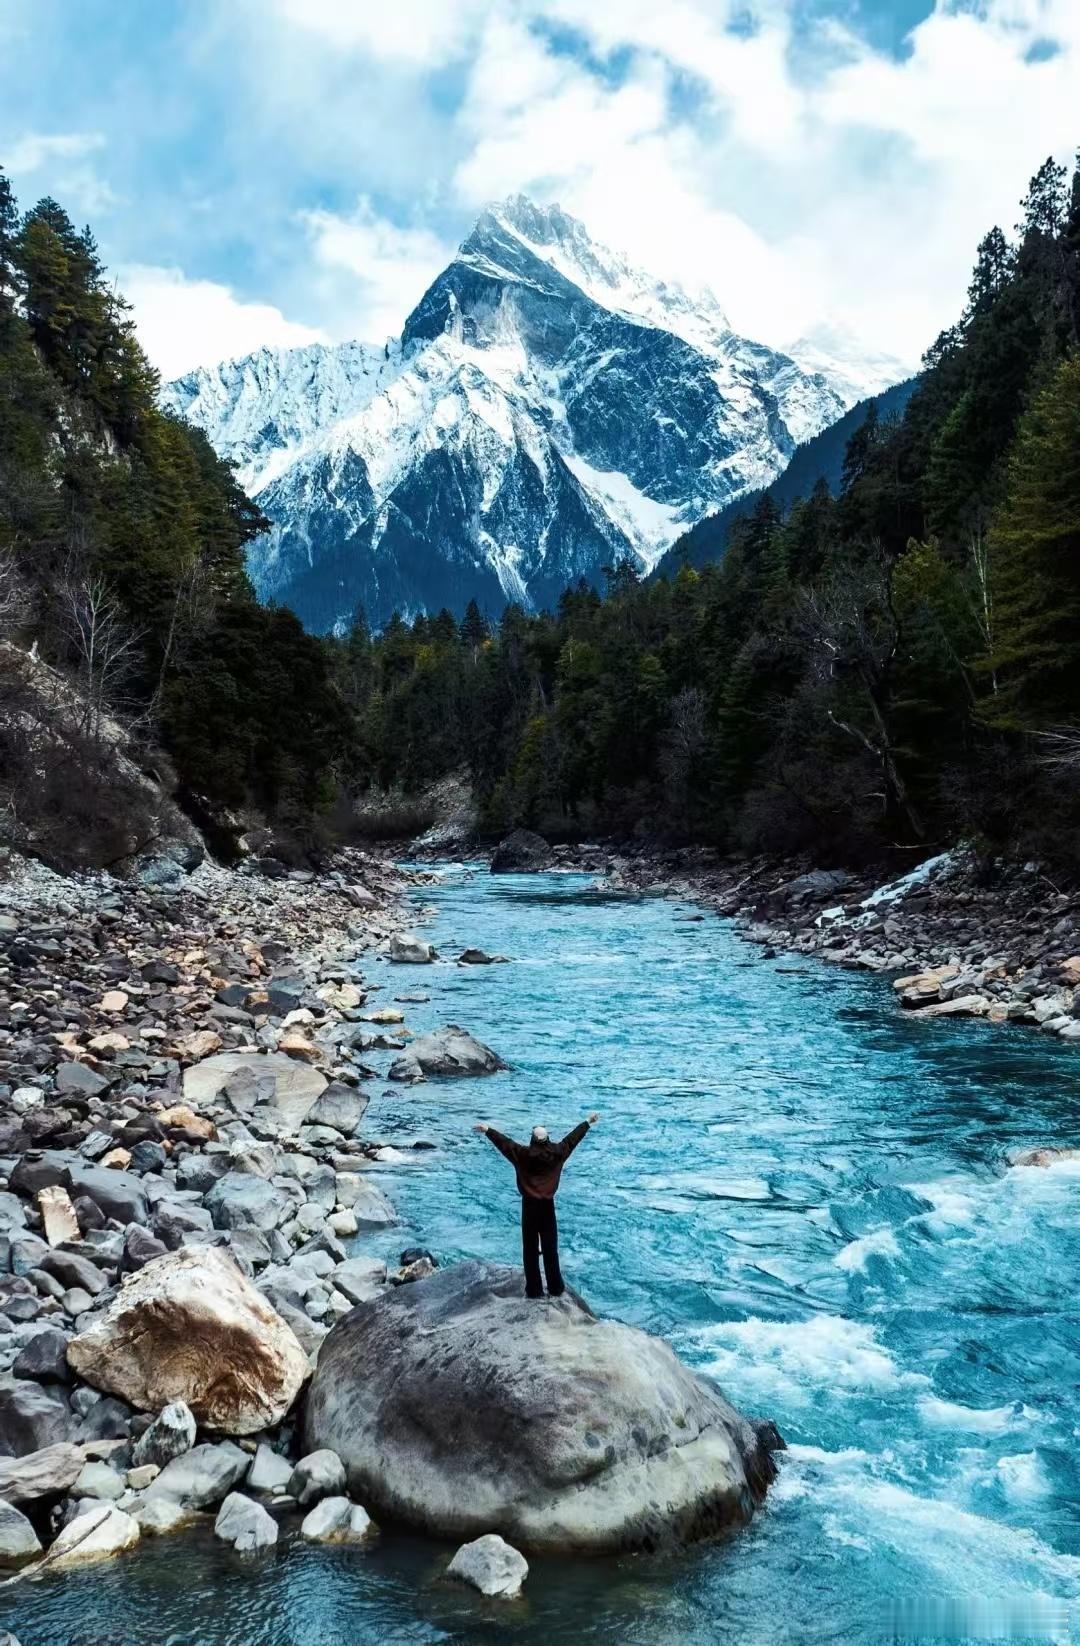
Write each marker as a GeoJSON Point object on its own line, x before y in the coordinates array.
{"type": "Point", "coordinates": [245, 1524]}
{"type": "Point", "coordinates": [44, 1357]}
{"type": "Point", "coordinates": [491, 1565]}
{"type": "Point", "coordinates": [296, 1084]}
{"type": "Point", "coordinates": [360, 1278]}
{"type": "Point", "coordinates": [45, 1473]}
{"type": "Point", "coordinates": [371, 1208]}
{"type": "Point", "coordinates": [202, 1476]}
{"type": "Point", "coordinates": [340, 1106]}
{"type": "Point", "coordinates": [74, 1270]}
{"type": "Point", "coordinates": [171, 1434]}
{"type": "Point", "coordinates": [32, 1417]}
{"type": "Point", "coordinates": [242, 1200]}
{"type": "Point", "coordinates": [568, 1431]}
{"type": "Point", "coordinates": [269, 1472]}
{"type": "Point", "coordinates": [118, 1194]}
{"type": "Point", "coordinates": [449, 1051]}
{"type": "Point", "coordinates": [18, 1539]}
{"type": "Point", "coordinates": [521, 852]}
{"type": "Point", "coordinates": [336, 1520]}
{"type": "Point", "coordinates": [98, 1480]}
{"type": "Point", "coordinates": [409, 950]}
{"type": "Point", "coordinates": [319, 1474]}
{"type": "Point", "coordinates": [95, 1534]}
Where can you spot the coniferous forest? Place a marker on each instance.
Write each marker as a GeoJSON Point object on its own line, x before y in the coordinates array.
{"type": "Point", "coordinates": [890, 668]}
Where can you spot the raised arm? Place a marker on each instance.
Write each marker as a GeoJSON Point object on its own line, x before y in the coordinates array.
{"type": "Point", "coordinates": [505, 1145]}
{"type": "Point", "coordinates": [572, 1139]}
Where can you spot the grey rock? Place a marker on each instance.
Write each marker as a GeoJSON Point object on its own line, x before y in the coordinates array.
{"type": "Point", "coordinates": [81, 1079]}
{"type": "Point", "coordinates": [44, 1357]}
{"type": "Point", "coordinates": [449, 1051]}
{"type": "Point", "coordinates": [176, 1222]}
{"type": "Point", "coordinates": [245, 1524]}
{"type": "Point", "coordinates": [319, 1474]}
{"type": "Point", "coordinates": [41, 1474]}
{"type": "Point", "coordinates": [71, 1270]}
{"type": "Point", "coordinates": [615, 1443]}
{"type": "Point", "coordinates": [491, 1565]}
{"type": "Point", "coordinates": [409, 950]}
{"type": "Point", "coordinates": [269, 1472]}
{"type": "Point", "coordinates": [202, 1477]}
{"type": "Point", "coordinates": [32, 1417]}
{"type": "Point", "coordinates": [170, 1435]}
{"type": "Point", "coordinates": [18, 1539]}
{"type": "Point", "coordinates": [98, 1480]}
{"type": "Point", "coordinates": [341, 1107]}
{"type": "Point", "coordinates": [119, 1194]}
{"type": "Point", "coordinates": [522, 852]}
{"type": "Point", "coordinates": [336, 1520]}
{"type": "Point", "coordinates": [360, 1278]}
{"type": "Point", "coordinates": [243, 1200]}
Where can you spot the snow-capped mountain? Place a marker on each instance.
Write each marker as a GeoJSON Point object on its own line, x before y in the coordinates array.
{"type": "Point", "coordinates": [547, 410]}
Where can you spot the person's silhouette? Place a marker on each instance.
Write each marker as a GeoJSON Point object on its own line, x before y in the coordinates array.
{"type": "Point", "coordinates": [539, 1165]}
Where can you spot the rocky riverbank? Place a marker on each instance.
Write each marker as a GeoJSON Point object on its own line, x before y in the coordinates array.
{"type": "Point", "coordinates": [183, 1206]}
{"type": "Point", "coordinates": [958, 937]}
{"type": "Point", "coordinates": [180, 1098]}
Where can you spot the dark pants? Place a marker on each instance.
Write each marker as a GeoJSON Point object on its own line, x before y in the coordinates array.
{"type": "Point", "coordinates": [539, 1231]}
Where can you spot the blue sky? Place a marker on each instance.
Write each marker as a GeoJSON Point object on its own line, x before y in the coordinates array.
{"type": "Point", "coordinates": [281, 170]}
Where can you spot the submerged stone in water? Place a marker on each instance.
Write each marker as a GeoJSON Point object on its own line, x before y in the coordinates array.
{"type": "Point", "coordinates": [569, 1431]}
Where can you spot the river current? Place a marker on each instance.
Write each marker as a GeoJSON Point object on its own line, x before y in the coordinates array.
{"type": "Point", "coordinates": [808, 1195]}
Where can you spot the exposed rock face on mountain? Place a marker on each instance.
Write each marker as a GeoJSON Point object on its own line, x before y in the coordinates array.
{"type": "Point", "coordinates": [547, 411]}
{"type": "Point", "coordinates": [460, 1406]}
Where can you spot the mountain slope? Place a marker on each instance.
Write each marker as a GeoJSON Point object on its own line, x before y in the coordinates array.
{"type": "Point", "coordinates": [547, 411]}
{"type": "Point", "coordinates": [819, 459]}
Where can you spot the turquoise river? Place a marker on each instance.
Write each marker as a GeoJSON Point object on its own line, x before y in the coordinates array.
{"type": "Point", "coordinates": [808, 1194]}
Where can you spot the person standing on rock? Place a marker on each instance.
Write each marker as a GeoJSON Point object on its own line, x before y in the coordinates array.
{"type": "Point", "coordinates": [539, 1165]}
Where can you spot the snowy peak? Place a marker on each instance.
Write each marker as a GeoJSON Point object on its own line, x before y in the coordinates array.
{"type": "Point", "coordinates": [548, 410]}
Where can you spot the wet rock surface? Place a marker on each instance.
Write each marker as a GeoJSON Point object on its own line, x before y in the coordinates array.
{"type": "Point", "coordinates": [569, 1431]}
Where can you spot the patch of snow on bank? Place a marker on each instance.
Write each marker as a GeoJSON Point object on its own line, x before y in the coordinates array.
{"type": "Point", "coordinates": [934, 868]}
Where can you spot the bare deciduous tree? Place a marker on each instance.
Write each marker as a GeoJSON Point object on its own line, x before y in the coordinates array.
{"type": "Point", "coordinates": [853, 632]}
{"type": "Point", "coordinates": [105, 648]}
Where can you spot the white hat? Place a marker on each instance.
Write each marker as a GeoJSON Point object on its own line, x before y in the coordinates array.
{"type": "Point", "coordinates": [540, 1134]}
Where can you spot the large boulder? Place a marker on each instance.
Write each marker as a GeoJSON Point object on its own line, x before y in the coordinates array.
{"type": "Point", "coordinates": [450, 1051]}
{"type": "Point", "coordinates": [522, 852]}
{"type": "Point", "coordinates": [171, 1434]}
{"type": "Point", "coordinates": [295, 1085]}
{"type": "Point", "coordinates": [40, 1474]}
{"type": "Point", "coordinates": [98, 1534]}
{"type": "Point", "coordinates": [461, 1407]}
{"type": "Point", "coordinates": [201, 1478]}
{"type": "Point", "coordinates": [189, 1327]}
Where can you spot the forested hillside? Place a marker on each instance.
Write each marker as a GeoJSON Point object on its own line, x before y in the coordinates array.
{"type": "Point", "coordinates": [126, 617]}
{"type": "Point", "coordinates": [890, 668]}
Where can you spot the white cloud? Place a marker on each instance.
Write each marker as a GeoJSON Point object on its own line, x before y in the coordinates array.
{"type": "Point", "coordinates": [412, 31]}
{"type": "Point", "coordinates": [65, 159]}
{"type": "Point", "coordinates": [184, 323]}
{"type": "Point", "coordinates": [809, 175]}
{"type": "Point", "coordinates": [30, 153]}
{"type": "Point", "coordinates": [388, 267]}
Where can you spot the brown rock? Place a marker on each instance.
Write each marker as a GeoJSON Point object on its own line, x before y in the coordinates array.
{"type": "Point", "coordinates": [297, 1045]}
{"type": "Point", "coordinates": [203, 1043]}
{"type": "Point", "coordinates": [189, 1326]}
{"type": "Point", "coordinates": [58, 1215]}
{"type": "Point", "coordinates": [186, 1120]}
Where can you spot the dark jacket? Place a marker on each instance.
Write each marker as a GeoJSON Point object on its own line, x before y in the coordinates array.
{"type": "Point", "coordinates": [538, 1165]}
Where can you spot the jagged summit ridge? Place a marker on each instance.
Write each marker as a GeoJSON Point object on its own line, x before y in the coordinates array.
{"type": "Point", "coordinates": [547, 409]}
